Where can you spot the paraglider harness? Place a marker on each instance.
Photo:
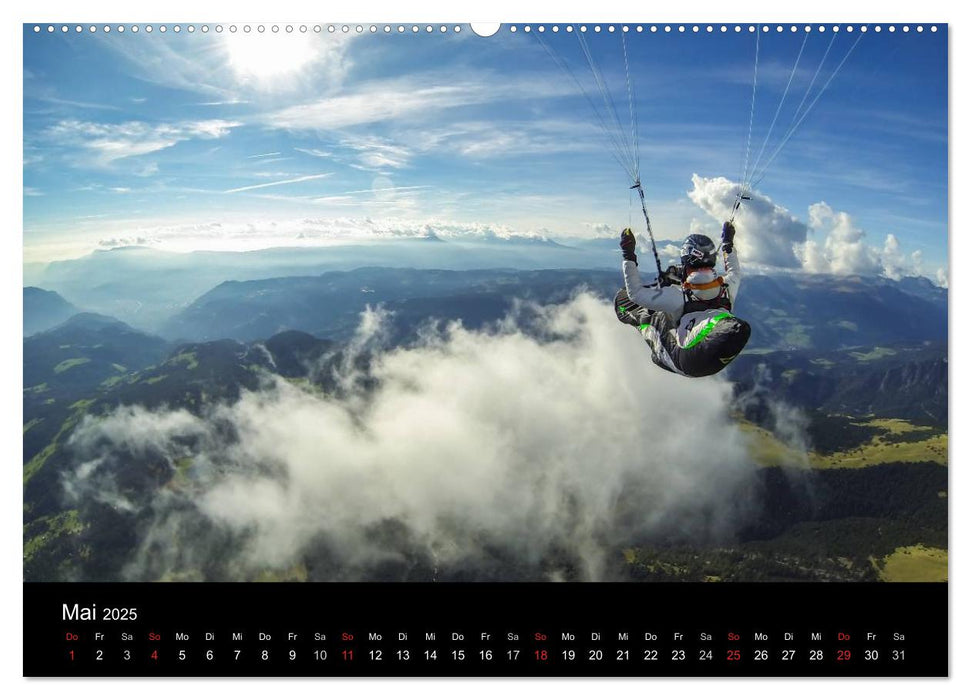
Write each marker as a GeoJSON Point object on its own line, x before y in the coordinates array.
{"type": "Point", "coordinates": [721, 339]}
{"type": "Point", "coordinates": [675, 275]}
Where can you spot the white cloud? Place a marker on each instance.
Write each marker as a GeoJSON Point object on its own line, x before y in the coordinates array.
{"type": "Point", "coordinates": [303, 178]}
{"type": "Point", "coordinates": [670, 252]}
{"type": "Point", "coordinates": [419, 99]}
{"type": "Point", "coordinates": [470, 444]}
{"type": "Point", "coordinates": [106, 143]}
{"type": "Point", "coordinates": [375, 153]}
{"type": "Point", "coordinates": [120, 242]}
{"type": "Point", "coordinates": [895, 263]}
{"type": "Point", "coordinates": [843, 249]}
{"type": "Point", "coordinates": [253, 233]}
{"type": "Point", "coordinates": [770, 235]}
{"type": "Point", "coordinates": [374, 103]}
{"type": "Point", "coordinates": [765, 231]}
{"type": "Point", "coordinates": [315, 152]}
{"type": "Point", "coordinates": [134, 428]}
{"type": "Point", "coordinates": [381, 160]}
{"type": "Point", "coordinates": [371, 152]}
{"type": "Point", "coordinates": [502, 139]}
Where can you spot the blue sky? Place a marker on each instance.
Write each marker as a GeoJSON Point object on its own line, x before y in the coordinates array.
{"type": "Point", "coordinates": [219, 141]}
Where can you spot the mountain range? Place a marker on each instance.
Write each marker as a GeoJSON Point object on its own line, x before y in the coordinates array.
{"type": "Point", "coordinates": [786, 312]}
{"type": "Point", "coordinates": [845, 352]}
{"type": "Point", "coordinates": [94, 540]}
{"type": "Point", "coordinates": [144, 286]}
{"type": "Point", "coordinates": [44, 309]}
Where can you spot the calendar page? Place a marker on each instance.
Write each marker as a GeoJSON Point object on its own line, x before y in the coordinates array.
{"type": "Point", "coordinates": [449, 349]}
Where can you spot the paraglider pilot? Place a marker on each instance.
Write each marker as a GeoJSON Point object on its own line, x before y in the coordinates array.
{"type": "Point", "coordinates": [685, 316]}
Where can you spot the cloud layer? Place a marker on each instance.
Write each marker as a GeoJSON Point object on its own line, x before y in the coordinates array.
{"type": "Point", "coordinates": [484, 454]}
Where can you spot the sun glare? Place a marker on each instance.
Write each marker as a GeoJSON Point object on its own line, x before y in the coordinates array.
{"type": "Point", "coordinates": [267, 56]}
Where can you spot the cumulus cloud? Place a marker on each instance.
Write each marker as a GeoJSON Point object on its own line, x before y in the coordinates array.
{"type": "Point", "coordinates": [838, 246]}
{"type": "Point", "coordinates": [766, 231]}
{"type": "Point", "coordinates": [768, 234]}
{"type": "Point", "coordinates": [494, 453]}
{"type": "Point", "coordinates": [843, 251]}
{"type": "Point", "coordinates": [895, 262]}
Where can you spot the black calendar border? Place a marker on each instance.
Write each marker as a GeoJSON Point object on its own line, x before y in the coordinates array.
{"type": "Point", "coordinates": [919, 611]}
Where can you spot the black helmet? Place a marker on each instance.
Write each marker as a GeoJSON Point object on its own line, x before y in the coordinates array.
{"type": "Point", "coordinates": [697, 251]}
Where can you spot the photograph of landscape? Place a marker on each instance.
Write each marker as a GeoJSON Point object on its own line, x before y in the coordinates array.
{"type": "Point", "coordinates": [306, 304]}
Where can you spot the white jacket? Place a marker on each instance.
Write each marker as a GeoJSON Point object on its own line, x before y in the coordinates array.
{"type": "Point", "coordinates": [670, 299]}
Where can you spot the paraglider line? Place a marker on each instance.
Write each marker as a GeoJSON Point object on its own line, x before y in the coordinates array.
{"type": "Point", "coordinates": [647, 220]}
